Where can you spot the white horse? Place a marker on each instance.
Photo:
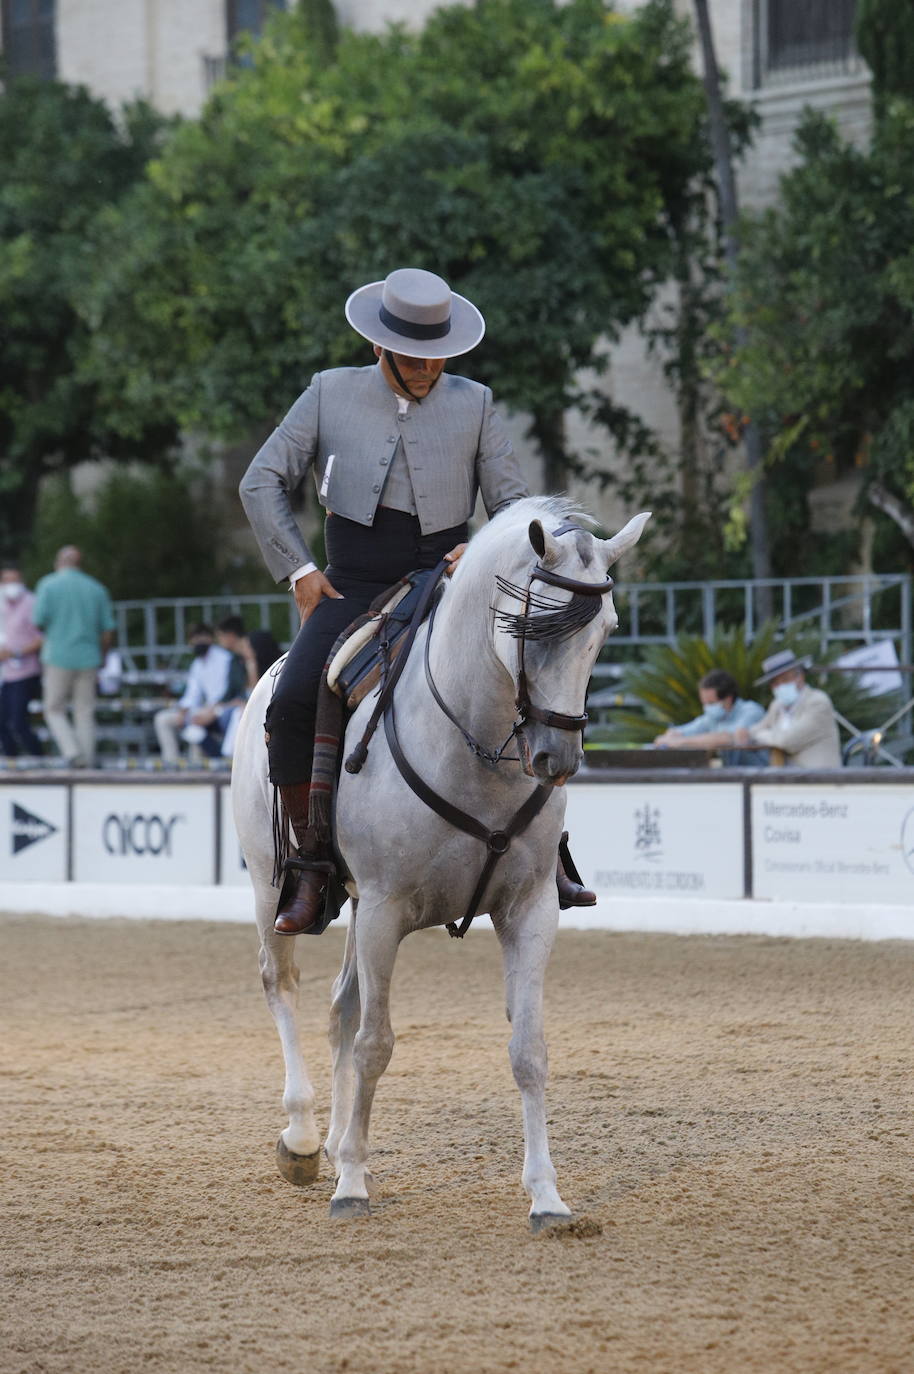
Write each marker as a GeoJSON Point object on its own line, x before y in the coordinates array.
{"type": "Point", "coordinates": [528, 603]}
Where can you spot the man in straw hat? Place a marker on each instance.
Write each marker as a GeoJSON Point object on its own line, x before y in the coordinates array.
{"type": "Point", "coordinates": [399, 451]}
{"type": "Point", "coordinates": [800, 722]}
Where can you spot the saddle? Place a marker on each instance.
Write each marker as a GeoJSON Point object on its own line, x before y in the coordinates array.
{"type": "Point", "coordinates": [371, 645]}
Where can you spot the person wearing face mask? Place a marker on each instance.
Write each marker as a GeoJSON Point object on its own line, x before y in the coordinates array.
{"type": "Point", "coordinates": [20, 667]}
{"type": "Point", "coordinates": [724, 713]}
{"type": "Point", "coordinates": [215, 676]}
{"type": "Point", "coordinates": [799, 726]}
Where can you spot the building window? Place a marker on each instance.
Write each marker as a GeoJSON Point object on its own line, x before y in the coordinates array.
{"type": "Point", "coordinates": [248, 15]}
{"type": "Point", "coordinates": [801, 40]}
{"type": "Point", "coordinates": [29, 47]}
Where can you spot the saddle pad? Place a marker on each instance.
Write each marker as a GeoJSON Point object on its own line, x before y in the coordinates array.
{"type": "Point", "coordinates": [357, 667]}
{"type": "Point", "coordinates": [359, 638]}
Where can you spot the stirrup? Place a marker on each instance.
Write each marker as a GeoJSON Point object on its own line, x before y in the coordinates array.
{"type": "Point", "coordinates": [335, 894]}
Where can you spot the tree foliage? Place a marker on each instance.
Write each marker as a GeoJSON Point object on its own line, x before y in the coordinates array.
{"type": "Point", "coordinates": [826, 294]}
{"type": "Point", "coordinates": [62, 158]}
{"type": "Point", "coordinates": [538, 155]}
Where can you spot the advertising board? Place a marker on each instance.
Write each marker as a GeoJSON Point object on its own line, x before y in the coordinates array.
{"type": "Point", "coordinates": [654, 839]}
{"type": "Point", "coordinates": [832, 843]}
{"type": "Point", "coordinates": [232, 868]}
{"type": "Point", "coordinates": [33, 833]}
{"type": "Point", "coordinates": [144, 834]}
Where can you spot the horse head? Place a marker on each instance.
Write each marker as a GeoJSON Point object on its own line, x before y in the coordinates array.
{"type": "Point", "coordinates": [552, 616]}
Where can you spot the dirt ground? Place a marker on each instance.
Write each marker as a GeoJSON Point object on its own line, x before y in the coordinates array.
{"type": "Point", "coordinates": [731, 1120]}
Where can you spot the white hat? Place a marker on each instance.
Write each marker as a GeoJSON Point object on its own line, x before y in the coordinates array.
{"type": "Point", "coordinates": [416, 313]}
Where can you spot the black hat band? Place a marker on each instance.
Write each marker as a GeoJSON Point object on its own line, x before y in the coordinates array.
{"type": "Point", "coordinates": [410, 330]}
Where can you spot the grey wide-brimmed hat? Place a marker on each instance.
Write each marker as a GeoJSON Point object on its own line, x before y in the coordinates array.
{"type": "Point", "coordinates": [416, 313]}
{"type": "Point", "coordinates": [781, 662]}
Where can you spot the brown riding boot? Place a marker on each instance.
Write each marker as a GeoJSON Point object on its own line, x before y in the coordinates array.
{"type": "Point", "coordinates": [572, 891]}
{"type": "Point", "coordinates": [301, 900]}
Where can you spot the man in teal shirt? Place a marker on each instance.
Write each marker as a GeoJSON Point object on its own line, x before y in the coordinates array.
{"type": "Point", "coordinates": [76, 615]}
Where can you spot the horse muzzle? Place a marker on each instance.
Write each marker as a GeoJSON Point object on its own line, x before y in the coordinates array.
{"type": "Point", "coordinates": [549, 756]}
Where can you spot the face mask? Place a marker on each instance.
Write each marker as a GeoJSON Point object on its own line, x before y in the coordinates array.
{"type": "Point", "coordinates": [786, 693]}
{"type": "Point", "coordinates": [200, 650]}
{"type": "Point", "coordinates": [715, 712]}
{"type": "Point", "coordinates": [12, 590]}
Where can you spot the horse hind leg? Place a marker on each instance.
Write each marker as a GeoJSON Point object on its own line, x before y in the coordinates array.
{"type": "Point", "coordinates": [298, 1147]}
{"type": "Point", "coordinates": [345, 1009]}
{"type": "Point", "coordinates": [525, 949]}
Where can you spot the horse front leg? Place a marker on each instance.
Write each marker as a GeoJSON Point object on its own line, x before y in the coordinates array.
{"type": "Point", "coordinates": [526, 941]}
{"type": "Point", "coordinates": [376, 952]}
{"type": "Point", "coordinates": [298, 1147]}
{"type": "Point", "coordinates": [345, 1008]}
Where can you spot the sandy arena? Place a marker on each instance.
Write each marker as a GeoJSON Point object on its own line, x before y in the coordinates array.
{"type": "Point", "coordinates": [731, 1120]}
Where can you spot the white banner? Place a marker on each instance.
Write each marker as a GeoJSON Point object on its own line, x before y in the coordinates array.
{"type": "Point", "coordinates": [651, 839]}
{"type": "Point", "coordinates": [232, 868]}
{"type": "Point", "coordinates": [834, 844]}
{"type": "Point", "coordinates": [33, 833]}
{"type": "Point", "coordinates": [144, 834]}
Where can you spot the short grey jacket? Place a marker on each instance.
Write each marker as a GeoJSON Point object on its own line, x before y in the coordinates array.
{"type": "Point", "coordinates": [346, 427]}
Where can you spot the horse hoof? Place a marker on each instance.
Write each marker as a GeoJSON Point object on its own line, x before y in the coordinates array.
{"type": "Point", "coordinates": [348, 1208]}
{"type": "Point", "coordinates": [297, 1169]}
{"type": "Point", "coordinates": [549, 1221]}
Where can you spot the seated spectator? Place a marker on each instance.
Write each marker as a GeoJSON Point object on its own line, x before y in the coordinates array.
{"type": "Point", "coordinates": [799, 726]}
{"type": "Point", "coordinates": [259, 650]}
{"type": "Point", "coordinates": [725, 715]}
{"type": "Point", "coordinates": [20, 667]}
{"type": "Point", "coordinates": [263, 651]}
{"type": "Point", "coordinates": [215, 683]}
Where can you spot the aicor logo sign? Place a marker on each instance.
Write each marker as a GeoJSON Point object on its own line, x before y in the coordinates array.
{"type": "Point", "coordinates": [131, 834]}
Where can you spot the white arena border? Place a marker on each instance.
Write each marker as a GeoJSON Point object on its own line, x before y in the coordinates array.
{"type": "Point", "coordinates": [679, 916]}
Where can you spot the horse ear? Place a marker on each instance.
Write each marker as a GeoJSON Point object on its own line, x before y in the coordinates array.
{"type": "Point", "coordinates": [626, 539]}
{"type": "Point", "coordinates": [537, 538]}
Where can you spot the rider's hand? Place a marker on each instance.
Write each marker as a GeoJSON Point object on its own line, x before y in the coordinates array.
{"type": "Point", "coordinates": [454, 557]}
{"type": "Point", "coordinates": [308, 591]}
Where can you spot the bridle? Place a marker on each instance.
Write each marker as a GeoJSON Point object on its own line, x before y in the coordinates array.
{"type": "Point", "coordinates": [497, 842]}
{"type": "Point", "coordinates": [526, 710]}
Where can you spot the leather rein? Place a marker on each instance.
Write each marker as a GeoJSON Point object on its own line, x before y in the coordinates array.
{"type": "Point", "coordinates": [497, 842]}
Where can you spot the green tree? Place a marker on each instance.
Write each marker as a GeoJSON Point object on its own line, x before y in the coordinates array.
{"type": "Point", "coordinates": [885, 37]}
{"type": "Point", "coordinates": [826, 295]}
{"type": "Point", "coordinates": [62, 158]}
{"type": "Point", "coordinates": [534, 153]}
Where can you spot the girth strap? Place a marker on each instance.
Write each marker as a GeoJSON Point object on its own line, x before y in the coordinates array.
{"type": "Point", "coordinates": [496, 841]}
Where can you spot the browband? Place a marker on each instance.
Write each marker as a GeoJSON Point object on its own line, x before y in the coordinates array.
{"type": "Point", "coordinates": [570, 584]}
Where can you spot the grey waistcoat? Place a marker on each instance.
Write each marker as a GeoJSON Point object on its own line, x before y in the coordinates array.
{"type": "Point", "coordinates": [346, 429]}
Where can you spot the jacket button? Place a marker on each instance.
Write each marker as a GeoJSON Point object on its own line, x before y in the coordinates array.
{"type": "Point", "coordinates": [376, 487]}
{"type": "Point", "coordinates": [384, 462]}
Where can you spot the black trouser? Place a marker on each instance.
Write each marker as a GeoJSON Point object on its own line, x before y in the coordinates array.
{"type": "Point", "coordinates": [16, 733]}
{"type": "Point", "coordinates": [364, 560]}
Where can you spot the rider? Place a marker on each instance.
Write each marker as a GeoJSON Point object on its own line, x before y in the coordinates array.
{"type": "Point", "coordinates": [399, 450]}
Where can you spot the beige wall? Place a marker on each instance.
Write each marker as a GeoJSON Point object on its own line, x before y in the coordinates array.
{"type": "Point", "coordinates": [122, 49]}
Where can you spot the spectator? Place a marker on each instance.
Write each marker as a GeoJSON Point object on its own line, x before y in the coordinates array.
{"type": "Point", "coordinates": [799, 726]}
{"type": "Point", "coordinates": [724, 714]}
{"type": "Point", "coordinates": [259, 651]}
{"type": "Point", "coordinates": [215, 683]}
{"type": "Point", "coordinates": [263, 651]}
{"type": "Point", "coordinates": [75, 612]}
{"type": "Point", "coordinates": [20, 668]}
